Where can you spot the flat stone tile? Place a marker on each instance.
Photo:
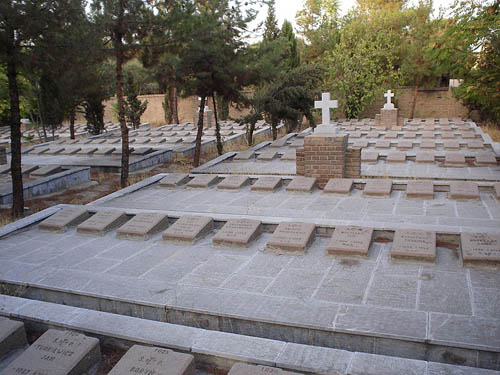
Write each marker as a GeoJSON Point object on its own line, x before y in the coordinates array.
{"type": "Point", "coordinates": [383, 143]}
{"type": "Point", "coordinates": [475, 144]}
{"type": "Point", "coordinates": [248, 283]}
{"type": "Point", "coordinates": [265, 265]}
{"type": "Point", "coordinates": [238, 232]}
{"type": "Point", "coordinates": [496, 189]}
{"type": "Point", "coordinates": [451, 145]}
{"type": "Point", "coordinates": [143, 225]}
{"type": "Point", "coordinates": [292, 238]}
{"type": "Point", "coordinates": [447, 135]}
{"type": "Point", "coordinates": [173, 180]}
{"type": "Point", "coordinates": [398, 291]}
{"type": "Point", "coordinates": [372, 134]}
{"type": "Point", "coordinates": [476, 332]}
{"type": "Point", "coordinates": [59, 353]}
{"type": "Point", "coordinates": [455, 160]}
{"type": "Point", "coordinates": [486, 159]}
{"type": "Point", "coordinates": [369, 157]}
{"type": "Point", "coordinates": [267, 155]}
{"type": "Point", "coordinates": [371, 364]}
{"type": "Point", "coordinates": [233, 182]}
{"type": "Point", "coordinates": [480, 247]}
{"type": "Point", "coordinates": [245, 155]}
{"type": "Point", "coordinates": [151, 360]}
{"type": "Point", "coordinates": [404, 145]}
{"type": "Point", "coordinates": [202, 181]}
{"type": "Point", "coordinates": [434, 368]}
{"type": "Point", "coordinates": [446, 292]}
{"type": "Point", "coordinates": [350, 240]}
{"type": "Point", "coordinates": [12, 336]}
{"type": "Point", "coordinates": [410, 135]}
{"type": "Point", "coordinates": [279, 142]}
{"type": "Point", "coordinates": [339, 186]}
{"type": "Point", "coordinates": [248, 369]}
{"type": "Point", "coordinates": [486, 302]}
{"type": "Point", "coordinates": [427, 144]}
{"type": "Point", "coordinates": [463, 190]}
{"type": "Point", "coordinates": [189, 228]}
{"type": "Point", "coordinates": [266, 183]}
{"type": "Point", "coordinates": [61, 220]}
{"type": "Point", "coordinates": [391, 135]}
{"type": "Point", "coordinates": [378, 187]}
{"type": "Point", "coordinates": [426, 134]}
{"type": "Point", "coordinates": [420, 189]}
{"type": "Point", "coordinates": [296, 283]}
{"type": "Point", "coordinates": [46, 170]}
{"type": "Point", "coordinates": [289, 156]}
{"type": "Point", "coordinates": [425, 157]}
{"type": "Point", "coordinates": [102, 222]}
{"type": "Point", "coordinates": [396, 157]}
{"type": "Point", "coordinates": [301, 184]}
{"type": "Point", "coordinates": [360, 143]}
{"type": "Point", "coordinates": [414, 245]}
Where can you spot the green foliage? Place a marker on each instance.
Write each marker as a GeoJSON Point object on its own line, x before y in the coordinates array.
{"type": "Point", "coordinates": [291, 56]}
{"type": "Point", "coordinates": [470, 47]}
{"type": "Point", "coordinates": [94, 114]}
{"type": "Point", "coordinates": [271, 30]}
{"type": "Point", "coordinates": [134, 108]}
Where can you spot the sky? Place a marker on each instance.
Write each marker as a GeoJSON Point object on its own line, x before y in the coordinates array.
{"type": "Point", "coordinates": [286, 9]}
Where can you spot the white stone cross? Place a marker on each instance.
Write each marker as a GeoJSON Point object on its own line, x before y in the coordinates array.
{"type": "Point", "coordinates": [389, 105]}
{"type": "Point", "coordinates": [325, 104]}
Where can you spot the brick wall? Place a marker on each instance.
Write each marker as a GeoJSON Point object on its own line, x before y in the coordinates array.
{"type": "Point", "coordinates": [353, 162]}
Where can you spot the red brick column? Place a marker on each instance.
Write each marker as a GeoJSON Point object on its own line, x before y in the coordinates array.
{"type": "Point", "coordinates": [353, 163]}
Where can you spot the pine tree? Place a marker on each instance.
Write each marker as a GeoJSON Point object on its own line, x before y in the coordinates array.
{"type": "Point", "coordinates": [271, 30]}
{"type": "Point", "coordinates": [291, 54]}
{"type": "Point", "coordinates": [134, 108]}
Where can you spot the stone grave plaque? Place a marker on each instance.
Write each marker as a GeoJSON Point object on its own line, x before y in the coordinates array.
{"type": "Point", "coordinates": [189, 228]}
{"type": "Point", "coordinates": [105, 150]}
{"type": "Point", "coordinates": [173, 140]}
{"type": "Point", "coordinates": [46, 170]}
{"type": "Point", "coordinates": [141, 151]}
{"type": "Point", "coordinates": [266, 183]}
{"type": "Point", "coordinates": [396, 157]}
{"type": "Point", "coordinates": [297, 143]}
{"type": "Point", "coordinates": [142, 140]}
{"type": "Point", "coordinates": [445, 128]}
{"type": "Point", "coordinates": [71, 151]}
{"type": "Point", "coordinates": [98, 141]}
{"type": "Point", "coordinates": [447, 135]}
{"type": "Point", "coordinates": [485, 159]}
{"type": "Point", "coordinates": [267, 155]}
{"type": "Point", "coordinates": [463, 190]}
{"type": "Point", "coordinates": [451, 145]}
{"type": "Point", "coordinates": [73, 141]}
{"type": "Point", "coordinates": [102, 222]}
{"type": "Point", "coordinates": [468, 134]}
{"type": "Point", "coordinates": [241, 368]}
{"type": "Point", "coordinates": [383, 143]}
{"type": "Point", "coordinates": [420, 189]}
{"type": "Point", "coordinates": [365, 128]}
{"type": "Point", "coordinates": [158, 141]}
{"type": "Point", "coordinates": [356, 134]}
{"type": "Point", "coordinates": [369, 157]}
{"type": "Point", "coordinates": [26, 169]}
{"type": "Point", "coordinates": [185, 133]}
{"type": "Point", "coordinates": [39, 150]}
{"type": "Point", "coordinates": [444, 121]}
{"type": "Point", "coordinates": [410, 135]}
{"type": "Point", "coordinates": [239, 232]}
{"type": "Point", "coordinates": [378, 188]}
{"type": "Point", "coordinates": [88, 141]}
{"type": "Point", "coordinates": [57, 353]}
{"type": "Point", "coordinates": [391, 135]}
{"type": "Point", "coordinates": [289, 156]}
{"type": "Point", "coordinates": [143, 225]}
{"type": "Point", "coordinates": [424, 157]}
{"type": "Point", "coordinates": [87, 150]}
{"type": "Point", "coordinates": [430, 145]}
{"type": "Point", "coordinates": [244, 156]}
{"type": "Point", "coordinates": [301, 184]}
{"type": "Point", "coordinates": [55, 150]}
{"type": "Point", "coordinates": [202, 181]}
{"type": "Point", "coordinates": [234, 182]}
{"type": "Point", "coordinates": [63, 219]}
{"type": "Point", "coordinates": [362, 143]}
{"type": "Point", "coordinates": [149, 360]}
{"type": "Point", "coordinates": [454, 160]}
{"type": "Point", "coordinates": [12, 336]}
{"type": "Point", "coordinates": [496, 189]}
{"type": "Point", "coordinates": [279, 142]}
{"type": "Point", "coordinates": [350, 240]}
{"type": "Point", "coordinates": [404, 145]}
{"type": "Point", "coordinates": [475, 144]}
{"type": "Point", "coordinates": [414, 245]}
{"type": "Point", "coordinates": [426, 134]}
{"type": "Point", "coordinates": [226, 133]}
{"type": "Point", "coordinates": [372, 134]}
{"type": "Point", "coordinates": [292, 238]}
{"type": "Point", "coordinates": [480, 248]}
{"type": "Point", "coordinates": [173, 180]}
{"type": "Point", "coordinates": [339, 186]}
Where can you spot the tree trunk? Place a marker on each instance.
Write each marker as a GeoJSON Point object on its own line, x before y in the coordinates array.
{"type": "Point", "coordinates": [121, 110]}
{"type": "Point", "coordinates": [15, 132]}
{"type": "Point", "coordinates": [250, 130]}
{"type": "Point", "coordinates": [414, 102]}
{"type": "Point", "coordinates": [197, 150]}
{"type": "Point", "coordinates": [72, 124]}
{"type": "Point", "coordinates": [274, 126]}
{"type": "Point", "coordinates": [217, 128]}
{"type": "Point", "coordinates": [172, 94]}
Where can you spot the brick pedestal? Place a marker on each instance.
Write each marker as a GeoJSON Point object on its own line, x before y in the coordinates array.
{"type": "Point", "coordinates": [389, 117]}
{"type": "Point", "coordinates": [326, 157]}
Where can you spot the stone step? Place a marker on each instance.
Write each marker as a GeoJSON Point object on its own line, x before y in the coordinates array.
{"type": "Point", "coordinates": [219, 351]}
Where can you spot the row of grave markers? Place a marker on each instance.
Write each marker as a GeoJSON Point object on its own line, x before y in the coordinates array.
{"type": "Point", "coordinates": [452, 159]}
{"type": "Point", "coordinates": [287, 238]}
{"type": "Point", "coordinates": [373, 187]}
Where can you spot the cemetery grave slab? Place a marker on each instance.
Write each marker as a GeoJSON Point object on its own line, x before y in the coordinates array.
{"type": "Point", "coordinates": [289, 156]}
{"type": "Point", "coordinates": [362, 143]}
{"type": "Point", "coordinates": [61, 220]}
{"type": "Point", "coordinates": [404, 145]}
{"type": "Point", "coordinates": [420, 189]}
{"type": "Point", "coordinates": [292, 238]}
{"type": "Point", "coordinates": [141, 151]}
{"type": "Point", "coordinates": [173, 140]}
{"type": "Point", "coordinates": [279, 142]}
{"type": "Point", "coordinates": [455, 159]}
{"type": "Point", "coordinates": [414, 245]}
{"type": "Point", "coordinates": [301, 184]}
{"type": "Point", "coordinates": [410, 135]}
{"type": "Point", "coordinates": [391, 135]}
{"type": "Point", "coordinates": [149, 360]}
{"type": "Point", "coordinates": [383, 143]}
{"type": "Point", "coordinates": [468, 134]}
{"type": "Point", "coordinates": [71, 151]}
{"type": "Point", "coordinates": [238, 232]}
{"type": "Point", "coordinates": [98, 141]}
{"type": "Point", "coordinates": [143, 225]}
{"type": "Point", "coordinates": [46, 170]}
{"type": "Point", "coordinates": [12, 336]}
{"type": "Point", "coordinates": [475, 144]}
{"type": "Point", "coordinates": [485, 159]}
{"type": "Point", "coordinates": [480, 248]}
{"type": "Point", "coordinates": [173, 180]}
{"type": "Point", "coordinates": [463, 190]}
{"type": "Point", "coordinates": [350, 240]}
{"type": "Point", "coordinates": [202, 181]}
{"type": "Point", "coordinates": [241, 368]}
{"type": "Point", "coordinates": [267, 156]}
{"type": "Point", "coordinates": [372, 134]}
{"type": "Point", "coordinates": [496, 189]}
{"type": "Point", "coordinates": [424, 157]}
{"type": "Point", "coordinates": [447, 135]}
{"type": "Point", "coordinates": [396, 157]}
{"type": "Point", "coordinates": [87, 150]}
{"type": "Point", "coordinates": [339, 186]}
{"type": "Point", "coordinates": [102, 222]}
{"type": "Point", "coordinates": [425, 144]}
{"type": "Point", "coordinates": [189, 228]}
{"type": "Point", "coordinates": [244, 155]}
{"type": "Point", "coordinates": [356, 134]}
{"type": "Point", "coordinates": [378, 188]}
{"type": "Point", "coordinates": [266, 183]}
{"type": "Point", "coordinates": [55, 150]}
{"type": "Point", "coordinates": [105, 150]}
{"type": "Point", "coordinates": [297, 143]}
{"type": "Point", "coordinates": [428, 134]}
{"type": "Point", "coordinates": [451, 145]}
{"type": "Point", "coordinates": [57, 353]}
{"type": "Point", "coordinates": [234, 182]}
{"type": "Point", "coordinates": [369, 157]}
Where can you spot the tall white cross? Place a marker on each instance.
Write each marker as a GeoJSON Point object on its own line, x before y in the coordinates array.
{"type": "Point", "coordinates": [389, 105]}
{"type": "Point", "coordinates": [325, 104]}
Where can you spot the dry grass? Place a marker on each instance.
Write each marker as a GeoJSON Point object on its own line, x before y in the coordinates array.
{"type": "Point", "coordinates": [492, 129]}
